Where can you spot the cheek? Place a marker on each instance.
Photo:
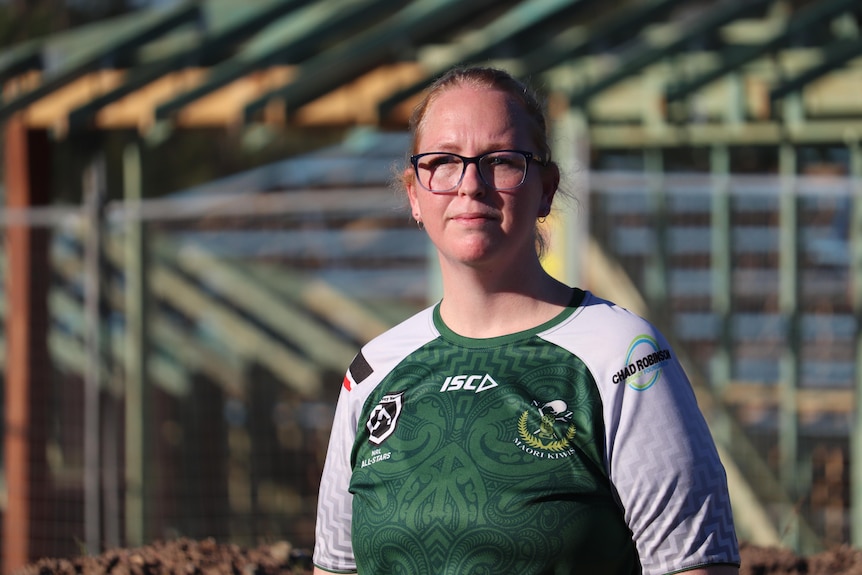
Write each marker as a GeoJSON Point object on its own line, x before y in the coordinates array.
{"type": "Point", "coordinates": [434, 208]}
{"type": "Point", "coordinates": [525, 208]}
{"type": "Point", "coordinates": [428, 208]}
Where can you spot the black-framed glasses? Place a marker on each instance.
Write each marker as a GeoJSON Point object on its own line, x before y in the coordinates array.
{"type": "Point", "coordinates": [442, 172]}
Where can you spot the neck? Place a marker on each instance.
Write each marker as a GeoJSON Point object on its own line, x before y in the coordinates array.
{"type": "Point", "coordinates": [485, 303]}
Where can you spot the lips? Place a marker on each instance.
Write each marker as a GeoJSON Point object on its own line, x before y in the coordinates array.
{"type": "Point", "coordinates": [475, 217]}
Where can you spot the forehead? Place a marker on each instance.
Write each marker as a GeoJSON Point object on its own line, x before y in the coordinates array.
{"type": "Point", "coordinates": [464, 114]}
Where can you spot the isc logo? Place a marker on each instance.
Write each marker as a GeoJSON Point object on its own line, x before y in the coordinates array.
{"type": "Point", "coordinates": [474, 383]}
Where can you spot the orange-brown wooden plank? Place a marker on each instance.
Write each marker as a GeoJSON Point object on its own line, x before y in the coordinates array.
{"type": "Point", "coordinates": [26, 521]}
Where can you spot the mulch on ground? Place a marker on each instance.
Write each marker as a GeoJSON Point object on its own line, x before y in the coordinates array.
{"type": "Point", "coordinates": [207, 557]}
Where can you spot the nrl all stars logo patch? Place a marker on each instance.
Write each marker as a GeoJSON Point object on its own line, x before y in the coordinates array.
{"type": "Point", "coordinates": [383, 419]}
{"type": "Point", "coordinates": [546, 430]}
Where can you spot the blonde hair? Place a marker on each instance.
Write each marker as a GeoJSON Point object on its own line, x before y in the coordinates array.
{"type": "Point", "coordinates": [488, 79]}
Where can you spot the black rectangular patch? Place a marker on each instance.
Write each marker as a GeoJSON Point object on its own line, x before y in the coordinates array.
{"type": "Point", "coordinates": [360, 368]}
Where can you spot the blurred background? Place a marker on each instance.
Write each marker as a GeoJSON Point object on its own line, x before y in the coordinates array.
{"type": "Point", "coordinates": [200, 230]}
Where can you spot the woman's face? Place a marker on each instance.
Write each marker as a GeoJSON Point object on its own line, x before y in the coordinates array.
{"type": "Point", "coordinates": [475, 224]}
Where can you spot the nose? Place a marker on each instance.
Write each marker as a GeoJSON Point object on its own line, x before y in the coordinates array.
{"type": "Point", "coordinates": [472, 183]}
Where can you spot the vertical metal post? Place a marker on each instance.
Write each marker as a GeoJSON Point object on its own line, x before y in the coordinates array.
{"type": "Point", "coordinates": [656, 280]}
{"type": "Point", "coordinates": [788, 302]}
{"type": "Point", "coordinates": [94, 198]}
{"type": "Point", "coordinates": [722, 271]}
{"type": "Point", "coordinates": [856, 271]}
{"type": "Point", "coordinates": [435, 276]}
{"type": "Point", "coordinates": [111, 460]}
{"type": "Point", "coordinates": [135, 350]}
{"type": "Point", "coordinates": [571, 225]}
{"type": "Point", "coordinates": [736, 99]}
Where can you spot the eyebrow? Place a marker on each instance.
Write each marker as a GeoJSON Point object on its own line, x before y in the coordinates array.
{"type": "Point", "coordinates": [455, 147]}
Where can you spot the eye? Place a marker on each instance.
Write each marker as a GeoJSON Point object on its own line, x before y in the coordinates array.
{"type": "Point", "coordinates": [436, 160]}
{"type": "Point", "coordinates": [504, 160]}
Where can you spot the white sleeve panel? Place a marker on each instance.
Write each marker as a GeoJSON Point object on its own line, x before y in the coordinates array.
{"type": "Point", "coordinates": [659, 452]}
{"type": "Point", "coordinates": [333, 549]}
{"type": "Point", "coordinates": [665, 468]}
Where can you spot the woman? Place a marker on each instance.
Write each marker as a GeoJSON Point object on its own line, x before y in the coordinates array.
{"type": "Point", "coordinates": [520, 426]}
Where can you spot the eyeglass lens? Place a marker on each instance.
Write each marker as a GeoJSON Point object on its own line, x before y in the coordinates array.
{"type": "Point", "coordinates": [499, 170]}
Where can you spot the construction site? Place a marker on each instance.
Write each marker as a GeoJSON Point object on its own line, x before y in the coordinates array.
{"type": "Point", "coordinates": [201, 229]}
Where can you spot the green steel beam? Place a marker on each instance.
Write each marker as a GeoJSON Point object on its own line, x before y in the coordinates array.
{"type": "Point", "coordinates": [836, 55]}
{"type": "Point", "coordinates": [621, 26]}
{"type": "Point", "coordinates": [709, 25]}
{"type": "Point", "coordinates": [210, 47]}
{"type": "Point", "coordinates": [20, 59]}
{"type": "Point", "coordinates": [70, 353]}
{"type": "Point", "coordinates": [296, 371]}
{"type": "Point", "coordinates": [521, 22]}
{"type": "Point", "coordinates": [357, 321]}
{"type": "Point", "coordinates": [656, 283]}
{"type": "Point", "coordinates": [855, 149]}
{"type": "Point", "coordinates": [814, 14]}
{"type": "Point", "coordinates": [69, 44]}
{"type": "Point", "coordinates": [419, 21]}
{"type": "Point", "coordinates": [316, 343]}
{"type": "Point", "coordinates": [571, 228]}
{"type": "Point", "coordinates": [172, 344]}
{"type": "Point", "coordinates": [136, 352]}
{"type": "Point", "coordinates": [306, 32]}
{"type": "Point", "coordinates": [121, 48]}
{"type": "Point", "coordinates": [722, 269]}
{"type": "Point", "coordinates": [788, 303]}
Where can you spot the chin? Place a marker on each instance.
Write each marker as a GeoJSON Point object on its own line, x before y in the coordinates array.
{"type": "Point", "coordinates": [479, 249]}
{"type": "Point", "coordinates": [476, 257]}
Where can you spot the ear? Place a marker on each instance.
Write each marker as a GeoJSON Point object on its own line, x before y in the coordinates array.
{"type": "Point", "coordinates": [550, 183]}
{"type": "Point", "coordinates": [410, 186]}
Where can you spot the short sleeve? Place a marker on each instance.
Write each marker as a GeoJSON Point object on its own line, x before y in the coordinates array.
{"type": "Point", "coordinates": [333, 550]}
{"type": "Point", "coordinates": [659, 454]}
{"type": "Point", "coordinates": [665, 467]}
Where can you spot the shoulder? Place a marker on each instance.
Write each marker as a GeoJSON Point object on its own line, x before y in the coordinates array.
{"type": "Point", "coordinates": [614, 316]}
{"type": "Point", "coordinates": [404, 337]}
{"type": "Point", "coordinates": [614, 343]}
{"type": "Point", "coordinates": [384, 352]}
{"type": "Point", "coordinates": [601, 324]}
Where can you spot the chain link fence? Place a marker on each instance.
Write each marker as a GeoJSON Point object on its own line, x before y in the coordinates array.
{"type": "Point", "coordinates": [195, 344]}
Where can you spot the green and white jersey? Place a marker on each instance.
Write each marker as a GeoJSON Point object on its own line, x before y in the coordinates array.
{"type": "Point", "coordinates": [574, 447]}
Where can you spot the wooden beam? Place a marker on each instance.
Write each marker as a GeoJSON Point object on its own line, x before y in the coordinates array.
{"type": "Point", "coordinates": [750, 133]}
{"type": "Point", "coordinates": [808, 401]}
{"type": "Point", "coordinates": [354, 103]}
{"type": "Point", "coordinates": [637, 99]}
